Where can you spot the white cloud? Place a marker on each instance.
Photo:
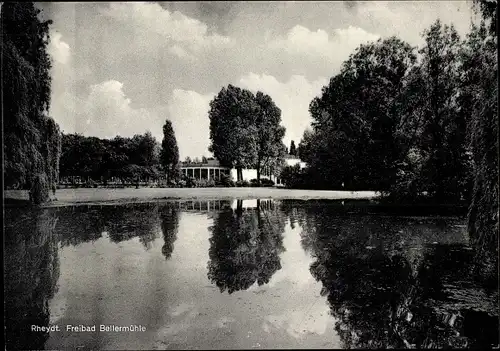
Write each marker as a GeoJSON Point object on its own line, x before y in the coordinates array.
{"type": "Point", "coordinates": [151, 21]}
{"type": "Point", "coordinates": [109, 112]}
{"type": "Point", "coordinates": [301, 40]}
{"type": "Point", "coordinates": [188, 111]}
{"type": "Point", "coordinates": [407, 20]}
{"type": "Point", "coordinates": [105, 112]}
{"type": "Point", "coordinates": [292, 97]}
{"type": "Point", "coordinates": [58, 49]}
{"type": "Point", "coordinates": [180, 52]}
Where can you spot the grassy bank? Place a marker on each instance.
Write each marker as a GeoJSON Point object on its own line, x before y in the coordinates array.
{"type": "Point", "coordinates": [99, 195]}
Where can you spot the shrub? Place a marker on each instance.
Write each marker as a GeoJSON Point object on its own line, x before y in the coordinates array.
{"type": "Point", "coordinates": [90, 184]}
{"type": "Point", "coordinates": [190, 182]}
{"type": "Point", "coordinates": [226, 181]}
{"type": "Point", "coordinates": [242, 183]}
{"type": "Point", "coordinates": [292, 176]}
{"type": "Point", "coordinates": [204, 183]}
{"type": "Point", "coordinates": [161, 184]}
{"type": "Point", "coordinates": [173, 184]}
{"type": "Point", "coordinates": [263, 182]}
{"type": "Point", "coordinates": [39, 192]}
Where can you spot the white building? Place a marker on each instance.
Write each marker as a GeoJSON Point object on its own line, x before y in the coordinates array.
{"type": "Point", "coordinates": [293, 160]}
{"type": "Point", "coordinates": [211, 169]}
{"type": "Point", "coordinates": [208, 170]}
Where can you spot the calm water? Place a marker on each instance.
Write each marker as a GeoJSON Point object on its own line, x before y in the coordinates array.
{"type": "Point", "coordinates": [242, 274]}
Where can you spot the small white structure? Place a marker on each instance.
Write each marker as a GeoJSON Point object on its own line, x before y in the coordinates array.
{"type": "Point", "coordinates": [293, 160]}
{"type": "Point", "coordinates": [212, 169]}
{"type": "Point", "coordinates": [207, 170]}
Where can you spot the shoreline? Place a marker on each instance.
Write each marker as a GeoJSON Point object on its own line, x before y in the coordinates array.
{"type": "Point", "coordinates": [356, 202]}
{"type": "Point", "coordinates": [114, 196]}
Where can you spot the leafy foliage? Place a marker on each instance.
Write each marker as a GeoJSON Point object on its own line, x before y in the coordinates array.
{"type": "Point", "coordinates": [101, 159]}
{"type": "Point", "coordinates": [232, 127]}
{"type": "Point", "coordinates": [245, 130]}
{"type": "Point", "coordinates": [270, 148]}
{"type": "Point", "coordinates": [293, 149]}
{"type": "Point", "coordinates": [354, 138]}
{"type": "Point", "coordinates": [481, 97]}
{"type": "Point", "coordinates": [169, 156]}
{"type": "Point", "coordinates": [31, 138]}
{"type": "Point", "coordinates": [395, 120]}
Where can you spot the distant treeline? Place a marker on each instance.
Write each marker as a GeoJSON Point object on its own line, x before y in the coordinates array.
{"type": "Point", "coordinates": [100, 160]}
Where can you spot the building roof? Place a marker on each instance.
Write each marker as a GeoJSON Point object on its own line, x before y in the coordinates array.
{"type": "Point", "coordinates": [211, 162]}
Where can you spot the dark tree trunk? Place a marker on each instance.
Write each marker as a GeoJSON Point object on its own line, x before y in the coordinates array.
{"type": "Point", "coordinates": [239, 207]}
{"type": "Point", "coordinates": [258, 173]}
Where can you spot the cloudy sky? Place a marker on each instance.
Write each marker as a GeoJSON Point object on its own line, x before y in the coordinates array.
{"type": "Point", "coordinates": [123, 68]}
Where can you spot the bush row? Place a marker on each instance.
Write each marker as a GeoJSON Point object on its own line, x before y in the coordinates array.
{"type": "Point", "coordinates": [185, 182]}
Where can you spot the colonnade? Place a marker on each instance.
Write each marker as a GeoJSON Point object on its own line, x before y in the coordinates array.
{"type": "Point", "coordinates": [205, 172]}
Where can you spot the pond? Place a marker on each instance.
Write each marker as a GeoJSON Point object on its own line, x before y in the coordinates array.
{"type": "Point", "coordinates": [240, 275]}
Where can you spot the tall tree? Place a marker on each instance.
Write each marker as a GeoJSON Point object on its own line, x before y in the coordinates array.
{"type": "Point", "coordinates": [293, 149]}
{"type": "Point", "coordinates": [170, 151]}
{"type": "Point", "coordinates": [232, 128]}
{"type": "Point", "coordinates": [481, 78]}
{"type": "Point", "coordinates": [356, 117]}
{"type": "Point", "coordinates": [443, 139]}
{"type": "Point", "coordinates": [270, 147]}
{"type": "Point", "coordinates": [26, 100]}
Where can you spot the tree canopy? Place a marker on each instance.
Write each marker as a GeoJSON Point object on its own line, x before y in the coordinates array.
{"type": "Point", "coordinates": [354, 139]}
{"type": "Point", "coordinates": [245, 130]}
{"type": "Point", "coordinates": [31, 137]}
{"type": "Point", "coordinates": [169, 156]}
{"type": "Point", "coordinates": [102, 159]}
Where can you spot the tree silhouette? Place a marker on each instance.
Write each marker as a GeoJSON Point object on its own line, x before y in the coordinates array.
{"type": "Point", "coordinates": [31, 138]}
{"type": "Point", "coordinates": [293, 149]}
{"type": "Point", "coordinates": [169, 217]}
{"type": "Point", "coordinates": [245, 247]}
{"type": "Point", "coordinates": [169, 156]}
{"type": "Point", "coordinates": [31, 274]}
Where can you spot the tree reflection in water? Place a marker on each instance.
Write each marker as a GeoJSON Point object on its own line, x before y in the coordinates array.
{"type": "Point", "coordinates": [31, 273]}
{"type": "Point", "coordinates": [169, 216]}
{"type": "Point", "coordinates": [135, 220]}
{"type": "Point", "coordinates": [383, 299]}
{"type": "Point", "coordinates": [245, 246]}
{"type": "Point", "coordinates": [80, 224]}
